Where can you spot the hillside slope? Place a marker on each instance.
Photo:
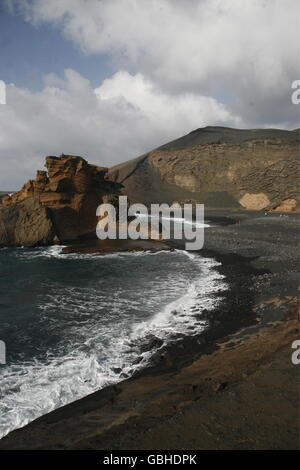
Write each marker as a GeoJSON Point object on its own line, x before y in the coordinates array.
{"type": "Point", "coordinates": [221, 167]}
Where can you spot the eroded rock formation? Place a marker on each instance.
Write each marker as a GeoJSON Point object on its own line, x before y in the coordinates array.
{"type": "Point", "coordinates": [26, 223]}
{"type": "Point", "coordinates": [58, 206]}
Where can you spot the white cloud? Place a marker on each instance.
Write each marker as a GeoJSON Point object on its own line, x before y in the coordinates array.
{"type": "Point", "coordinates": [174, 113]}
{"type": "Point", "coordinates": [121, 119]}
{"type": "Point", "coordinates": [248, 49]}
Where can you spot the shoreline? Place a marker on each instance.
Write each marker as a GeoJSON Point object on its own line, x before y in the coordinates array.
{"type": "Point", "coordinates": [255, 327]}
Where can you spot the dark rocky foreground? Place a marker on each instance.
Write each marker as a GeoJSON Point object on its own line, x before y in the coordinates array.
{"type": "Point", "coordinates": [234, 387]}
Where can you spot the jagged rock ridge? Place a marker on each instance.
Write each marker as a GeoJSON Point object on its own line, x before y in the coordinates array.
{"type": "Point", "coordinates": [58, 206]}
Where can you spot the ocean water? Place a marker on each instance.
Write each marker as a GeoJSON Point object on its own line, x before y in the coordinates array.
{"type": "Point", "coordinates": [75, 323]}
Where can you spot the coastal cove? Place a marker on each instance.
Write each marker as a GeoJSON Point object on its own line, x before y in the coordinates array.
{"type": "Point", "coordinates": [197, 369]}
{"type": "Point", "coordinates": [149, 231]}
{"type": "Point", "coordinates": [94, 314]}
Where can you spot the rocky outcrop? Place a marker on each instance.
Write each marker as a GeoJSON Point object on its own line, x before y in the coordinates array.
{"type": "Point", "coordinates": [58, 206]}
{"type": "Point", "coordinates": [26, 223]}
{"type": "Point", "coordinates": [220, 167]}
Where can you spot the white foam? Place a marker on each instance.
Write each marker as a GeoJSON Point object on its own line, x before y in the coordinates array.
{"type": "Point", "coordinates": [54, 251]}
{"type": "Point", "coordinates": [180, 220]}
{"type": "Point", "coordinates": [176, 316]}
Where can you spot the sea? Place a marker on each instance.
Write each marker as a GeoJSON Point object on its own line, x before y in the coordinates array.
{"type": "Point", "coordinates": [76, 323]}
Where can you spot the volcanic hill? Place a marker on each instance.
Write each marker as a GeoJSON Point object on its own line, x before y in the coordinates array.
{"type": "Point", "coordinates": [221, 167]}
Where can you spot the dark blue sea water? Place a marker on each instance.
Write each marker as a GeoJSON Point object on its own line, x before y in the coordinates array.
{"type": "Point", "coordinates": [74, 323]}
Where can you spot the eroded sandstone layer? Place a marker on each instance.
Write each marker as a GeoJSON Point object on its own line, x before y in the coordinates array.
{"type": "Point", "coordinates": [58, 206]}
{"type": "Point", "coordinates": [254, 169]}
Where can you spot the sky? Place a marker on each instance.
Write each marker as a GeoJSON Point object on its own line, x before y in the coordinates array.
{"type": "Point", "coordinates": [112, 79]}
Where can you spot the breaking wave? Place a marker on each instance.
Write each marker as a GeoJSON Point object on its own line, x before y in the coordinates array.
{"type": "Point", "coordinates": [90, 321]}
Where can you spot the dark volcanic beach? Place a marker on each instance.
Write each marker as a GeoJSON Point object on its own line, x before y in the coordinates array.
{"type": "Point", "coordinates": [233, 387]}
